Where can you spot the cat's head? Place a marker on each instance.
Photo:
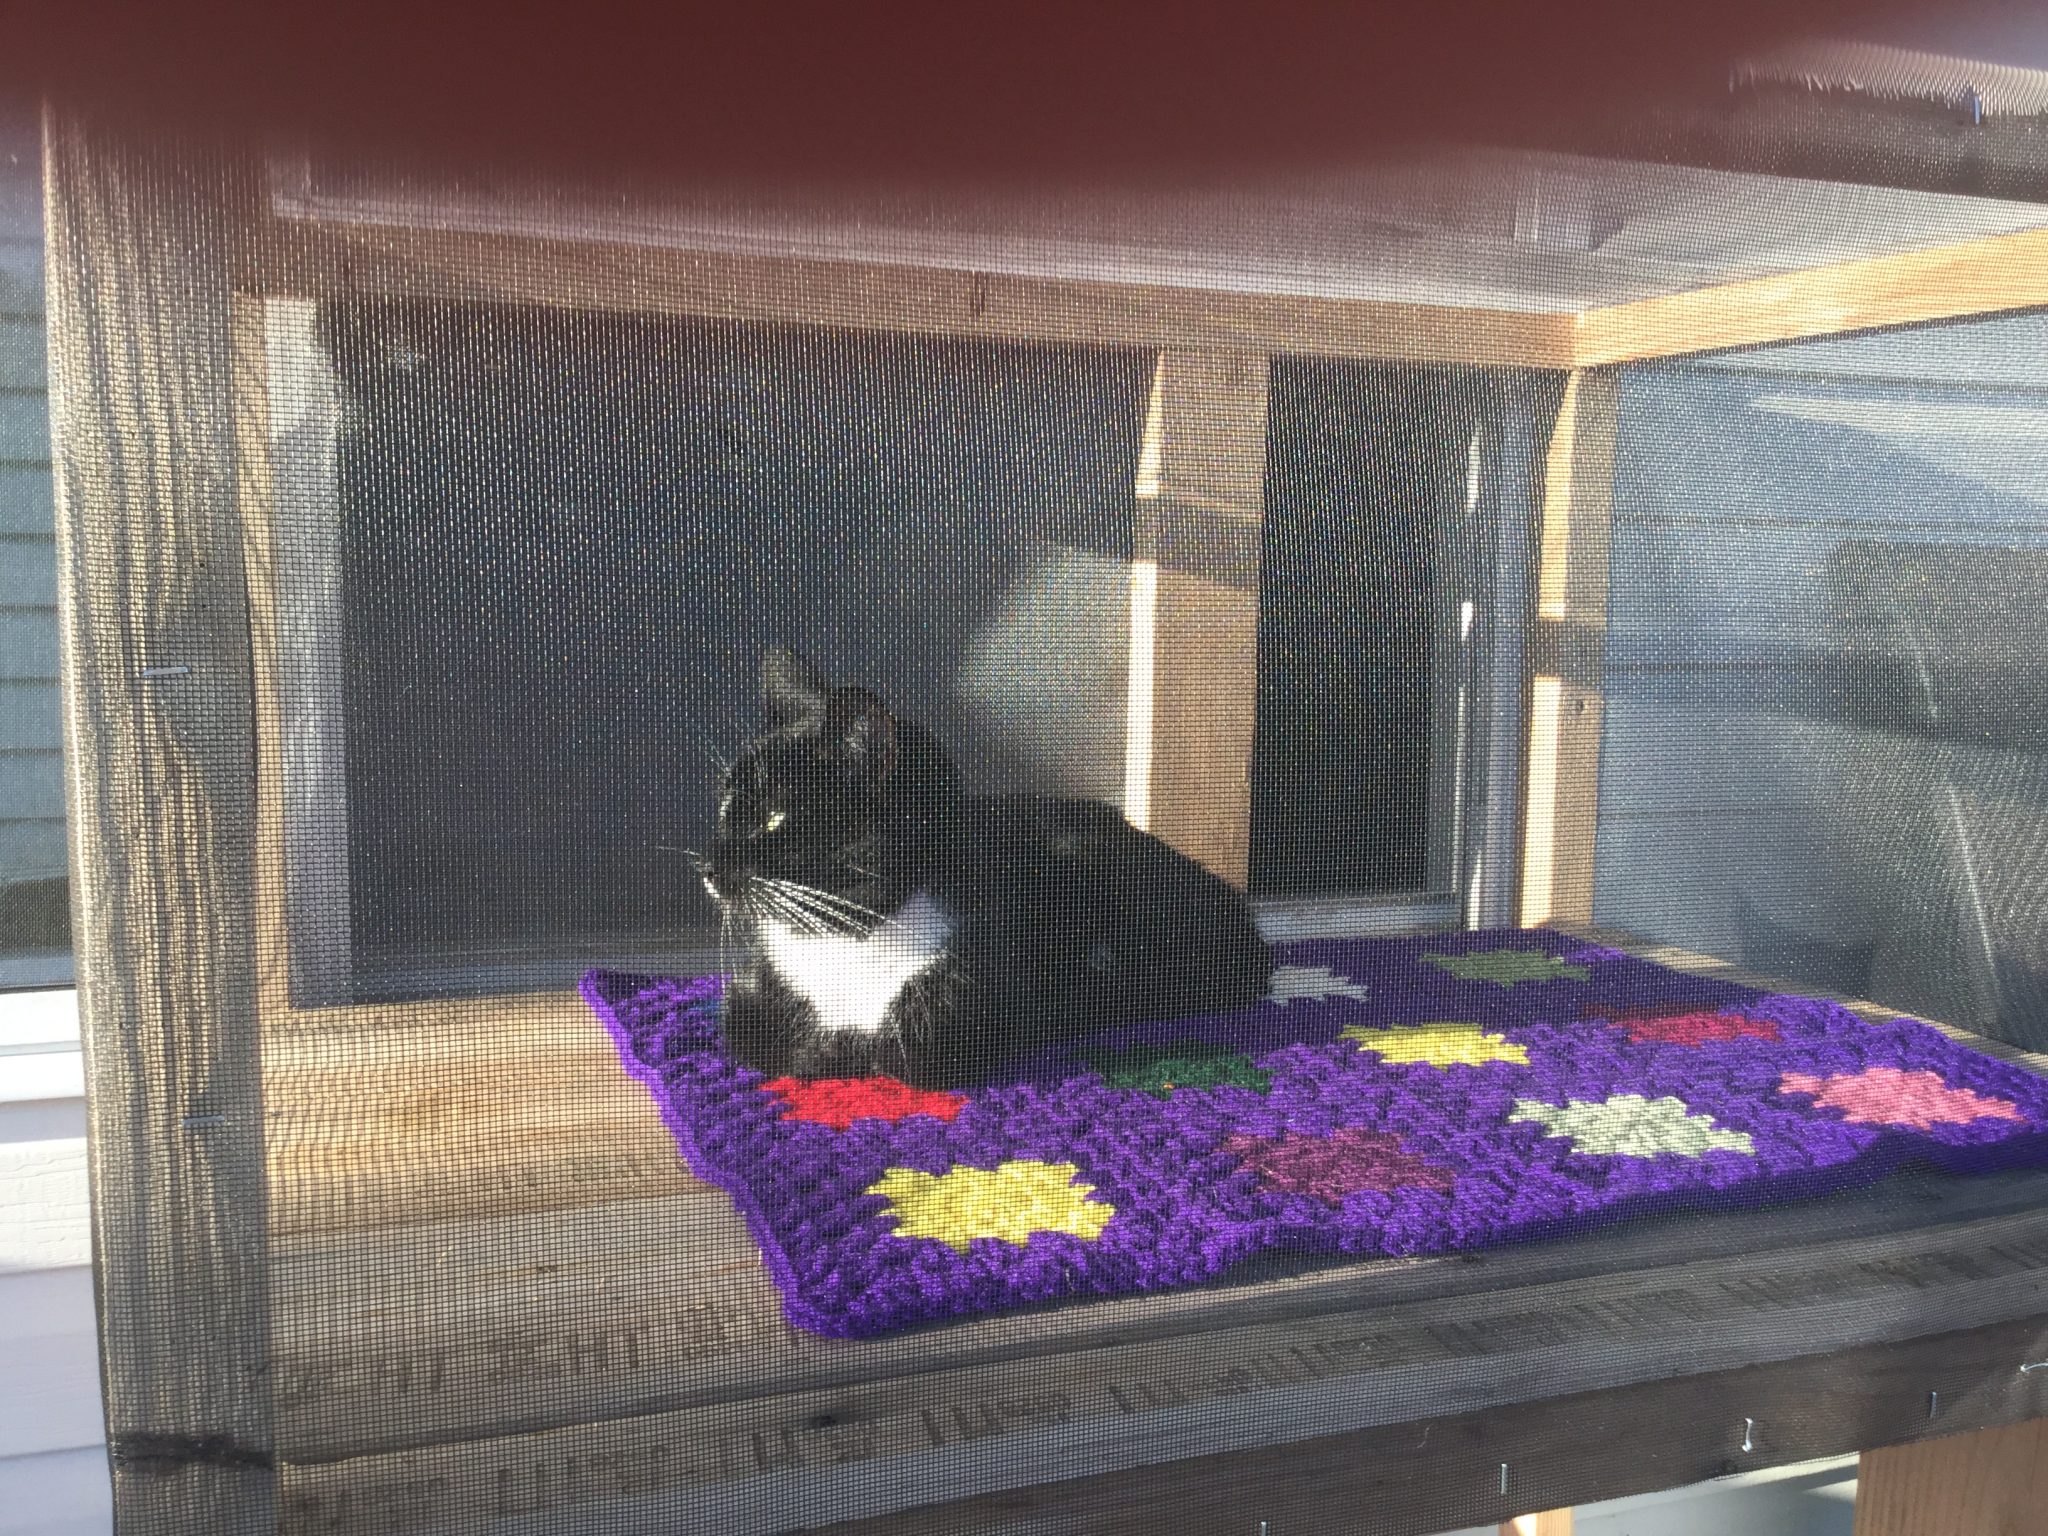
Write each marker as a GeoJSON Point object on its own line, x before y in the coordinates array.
{"type": "Point", "coordinates": [831, 817]}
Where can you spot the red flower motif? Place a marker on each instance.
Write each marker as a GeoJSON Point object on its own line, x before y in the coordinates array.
{"type": "Point", "coordinates": [1681, 1025]}
{"type": "Point", "coordinates": [839, 1101]}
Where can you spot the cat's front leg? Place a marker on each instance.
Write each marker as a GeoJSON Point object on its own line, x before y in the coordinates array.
{"type": "Point", "coordinates": [850, 1054]}
{"type": "Point", "coordinates": [759, 1020]}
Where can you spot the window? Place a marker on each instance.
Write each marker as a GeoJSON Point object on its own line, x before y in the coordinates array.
{"type": "Point", "coordinates": [527, 561]}
{"type": "Point", "coordinates": [564, 541]}
{"type": "Point", "coordinates": [1367, 562]}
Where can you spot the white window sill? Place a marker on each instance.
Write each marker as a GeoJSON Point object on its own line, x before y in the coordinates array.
{"type": "Point", "coordinates": [39, 1054]}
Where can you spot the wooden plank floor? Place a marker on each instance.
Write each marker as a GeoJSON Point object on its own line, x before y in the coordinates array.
{"type": "Point", "coordinates": [500, 1304]}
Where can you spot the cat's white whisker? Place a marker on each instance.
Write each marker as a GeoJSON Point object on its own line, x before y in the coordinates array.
{"type": "Point", "coordinates": [812, 898]}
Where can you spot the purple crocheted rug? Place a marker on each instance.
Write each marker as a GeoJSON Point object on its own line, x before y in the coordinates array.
{"type": "Point", "coordinates": [1400, 1096]}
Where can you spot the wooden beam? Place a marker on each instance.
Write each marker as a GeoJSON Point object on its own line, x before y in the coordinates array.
{"type": "Point", "coordinates": [900, 1461]}
{"type": "Point", "coordinates": [1553, 1522]}
{"type": "Point", "coordinates": [319, 260]}
{"type": "Point", "coordinates": [287, 424]}
{"type": "Point", "coordinates": [1995, 275]}
{"type": "Point", "coordinates": [1995, 1480]}
{"type": "Point", "coordinates": [1565, 707]}
{"type": "Point", "coordinates": [158, 742]}
{"type": "Point", "coordinates": [1194, 638]}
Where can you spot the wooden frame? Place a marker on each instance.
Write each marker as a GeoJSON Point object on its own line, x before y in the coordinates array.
{"type": "Point", "coordinates": [1194, 576]}
{"type": "Point", "coordinates": [1564, 688]}
{"type": "Point", "coordinates": [531, 1387]}
{"type": "Point", "coordinates": [1996, 275]}
{"type": "Point", "coordinates": [158, 732]}
{"type": "Point", "coordinates": [1195, 607]}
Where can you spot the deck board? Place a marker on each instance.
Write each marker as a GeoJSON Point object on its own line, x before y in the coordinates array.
{"type": "Point", "coordinates": [495, 1289]}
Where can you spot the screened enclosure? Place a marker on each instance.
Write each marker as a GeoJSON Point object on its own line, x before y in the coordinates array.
{"type": "Point", "coordinates": [1598, 634]}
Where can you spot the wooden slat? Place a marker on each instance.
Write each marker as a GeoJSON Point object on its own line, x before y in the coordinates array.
{"type": "Point", "coordinates": [320, 260]}
{"type": "Point", "coordinates": [1565, 712]}
{"type": "Point", "coordinates": [159, 738]}
{"type": "Point", "coordinates": [1989, 1483]}
{"type": "Point", "coordinates": [1995, 275]}
{"type": "Point", "coordinates": [473, 1108]}
{"type": "Point", "coordinates": [461, 1329]}
{"type": "Point", "coordinates": [1195, 608]}
{"type": "Point", "coordinates": [1421, 1477]}
{"type": "Point", "coordinates": [287, 409]}
{"type": "Point", "coordinates": [620, 1356]}
{"type": "Point", "coordinates": [1050, 1456]}
{"type": "Point", "coordinates": [1552, 1522]}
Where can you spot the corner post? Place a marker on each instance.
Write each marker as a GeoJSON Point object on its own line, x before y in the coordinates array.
{"type": "Point", "coordinates": [159, 744]}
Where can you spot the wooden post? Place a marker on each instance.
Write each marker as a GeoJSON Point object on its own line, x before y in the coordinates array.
{"type": "Point", "coordinates": [1566, 654]}
{"type": "Point", "coordinates": [158, 743]}
{"type": "Point", "coordinates": [1552, 1522]}
{"type": "Point", "coordinates": [1991, 1481]}
{"type": "Point", "coordinates": [288, 408]}
{"type": "Point", "coordinates": [1195, 608]}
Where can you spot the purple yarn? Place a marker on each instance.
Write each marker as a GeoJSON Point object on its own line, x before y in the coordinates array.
{"type": "Point", "coordinates": [1344, 1151]}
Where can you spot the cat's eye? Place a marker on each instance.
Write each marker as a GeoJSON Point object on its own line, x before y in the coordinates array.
{"type": "Point", "coordinates": [775, 819]}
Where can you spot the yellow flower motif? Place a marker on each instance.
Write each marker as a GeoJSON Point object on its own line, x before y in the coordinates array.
{"type": "Point", "coordinates": [1443, 1043]}
{"type": "Point", "coordinates": [1010, 1202]}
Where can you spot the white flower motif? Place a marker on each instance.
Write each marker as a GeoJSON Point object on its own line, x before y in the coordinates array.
{"type": "Point", "coordinates": [1311, 981]}
{"type": "Point", "coordinates": [1629, 1125]}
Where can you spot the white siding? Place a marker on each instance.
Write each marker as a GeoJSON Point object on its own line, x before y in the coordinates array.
{"type": "Point", "coordinates": [31, 783]}
{"type": "Point", "coordinates": [53, 1460]}
{"type": "Point", "coordinates": [53, 1470]}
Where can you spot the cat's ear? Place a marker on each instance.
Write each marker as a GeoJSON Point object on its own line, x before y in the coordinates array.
{"type": "Point", "coordinates": [865, 732]}
{"type": "Point", "coordinates": [791, 688]}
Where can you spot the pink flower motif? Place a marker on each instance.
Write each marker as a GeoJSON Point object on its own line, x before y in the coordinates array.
{"type": "Point", "coordinates": [1342, 1163]}
{"type": "Point", "coordinates": [1917, 1101]}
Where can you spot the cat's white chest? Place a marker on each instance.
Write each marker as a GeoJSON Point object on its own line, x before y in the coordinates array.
{"type": "Point", "coordinates": [850, 981]}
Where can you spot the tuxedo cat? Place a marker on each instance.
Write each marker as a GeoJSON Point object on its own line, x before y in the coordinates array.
{"type": "Point", "coordinates": [898, 926]}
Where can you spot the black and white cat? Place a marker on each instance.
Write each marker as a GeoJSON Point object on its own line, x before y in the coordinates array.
{"type": "Point", "coordinates": [898, 926]}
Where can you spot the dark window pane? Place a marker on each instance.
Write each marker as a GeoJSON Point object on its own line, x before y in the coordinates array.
{"type": "Point", "coordinates": [1365, 491]}
{"type": "Point", "coordinates": [567, 539]}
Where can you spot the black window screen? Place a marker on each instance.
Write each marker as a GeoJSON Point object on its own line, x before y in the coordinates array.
{"type": "Point", "coordinates": [1360, 627]}
{"type": "Point", "coordinates": [566, 540]}
{"type": "Point", "coordinates": [1826, 747]}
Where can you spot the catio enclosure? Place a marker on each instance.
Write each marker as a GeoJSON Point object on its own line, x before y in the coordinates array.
{"type": "Point", "coordinates": [419, 544]}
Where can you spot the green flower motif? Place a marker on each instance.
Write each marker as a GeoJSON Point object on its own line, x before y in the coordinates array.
{"type": "Point", "coordinates": [1506, 967]}
{"type": "Point", "coordinates": [1161, 1069]}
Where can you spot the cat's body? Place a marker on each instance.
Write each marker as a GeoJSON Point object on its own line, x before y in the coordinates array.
{"type": "Point", "coordinates": [902, 928]}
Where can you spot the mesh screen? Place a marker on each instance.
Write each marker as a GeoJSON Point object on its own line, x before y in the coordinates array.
{"type": "Point", "coordinates": [515, 572]}
{"type": "Point", "coordinates": [566, 542]}
{"type": "Point", "coordinates": [1824, 744]}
